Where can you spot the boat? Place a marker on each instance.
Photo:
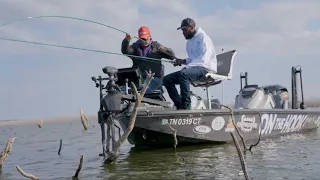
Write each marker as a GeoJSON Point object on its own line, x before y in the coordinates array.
{"type": "Point", "coordinates": [258, 111]}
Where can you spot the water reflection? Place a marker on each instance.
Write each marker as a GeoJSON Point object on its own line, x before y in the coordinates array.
{"type": "Point", "coordinates": [293, 156]}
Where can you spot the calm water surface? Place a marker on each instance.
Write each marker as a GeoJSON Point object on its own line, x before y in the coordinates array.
{"type": "Point", "coordinates": [35, 151]}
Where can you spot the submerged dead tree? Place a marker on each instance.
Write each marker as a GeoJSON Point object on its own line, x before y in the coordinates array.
{"type": "Point", "coordinates": [40, 124]}
{"type": "Point", "coordinates": [84, 120]}
{"type": "Point", "coordinates": [33, 177]}
{"type": "Point", "coordinates": [236, 143]}
{"type": "Point", "coordinates": [241, 156]}
{"type": "Point", "coordinates": [75, 177]}
{"type": "Point", "coordinates": [114, 154]}
{"type": "Point", "coordinates": [60, 146]}
{"type": "Point", "coordinates": [5, 152]}
{"type": "Point", "coordinates": [27, 175]}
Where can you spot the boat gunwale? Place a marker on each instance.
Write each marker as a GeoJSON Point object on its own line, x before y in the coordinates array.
{"type": "Point", "coordinates": [215, 112]}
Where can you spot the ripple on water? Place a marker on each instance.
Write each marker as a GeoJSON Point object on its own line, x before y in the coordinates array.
{"type": "Point", "coordinates": [36, 151]}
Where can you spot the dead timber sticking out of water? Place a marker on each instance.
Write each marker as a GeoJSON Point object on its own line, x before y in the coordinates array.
{"type": "Point", "coordinates": [114, 154]}
{"type": "Point", "coordinates": [5, 152]}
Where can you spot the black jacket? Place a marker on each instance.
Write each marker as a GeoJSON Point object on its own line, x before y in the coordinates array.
{"type": "Point", "coordinates": [146, 64]}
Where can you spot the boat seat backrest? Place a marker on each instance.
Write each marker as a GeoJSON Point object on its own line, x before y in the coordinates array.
{"type": "Point", "coordinates": [224, 71]}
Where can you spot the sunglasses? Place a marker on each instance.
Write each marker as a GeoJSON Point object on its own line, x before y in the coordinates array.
{"type": "Point", "coordinates": [144, 39]}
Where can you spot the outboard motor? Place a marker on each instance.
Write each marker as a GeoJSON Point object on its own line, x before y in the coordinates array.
{"type": "Point", "coordinates": [266, 97]}
{"type": "Point", "coordinates": [280, 95]}
{"type": "Point", "coordinates": [254, 97]}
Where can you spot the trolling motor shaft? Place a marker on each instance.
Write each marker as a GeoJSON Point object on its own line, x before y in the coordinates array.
{"type": "Point", "coordinates": [109, 107]}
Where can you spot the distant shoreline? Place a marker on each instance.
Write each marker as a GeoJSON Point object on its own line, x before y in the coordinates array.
{"type": "Point", "coordinates": [37, 120]}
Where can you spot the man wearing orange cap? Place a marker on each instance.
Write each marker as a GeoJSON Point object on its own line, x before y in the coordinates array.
{"type": "Point", "coordinates": [146, 47]}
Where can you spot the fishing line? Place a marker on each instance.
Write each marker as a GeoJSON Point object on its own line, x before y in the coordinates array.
{"type": "Point", "coordinates": [65, 17]}
{"type": "Point", "coordinates": [71, 47]}
{"type": "Point", "coordinates": [84, 49]}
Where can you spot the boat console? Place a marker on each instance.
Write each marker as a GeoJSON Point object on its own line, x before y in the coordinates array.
{"type": "Point", "coordinates": [127, 75]}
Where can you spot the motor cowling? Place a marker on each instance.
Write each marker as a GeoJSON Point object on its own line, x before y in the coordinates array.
{"type": "Point", "coordinates": [254, 97]}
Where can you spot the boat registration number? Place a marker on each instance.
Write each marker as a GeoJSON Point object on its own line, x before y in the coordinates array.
{"type": "Point", "coordinates": [181, 121]}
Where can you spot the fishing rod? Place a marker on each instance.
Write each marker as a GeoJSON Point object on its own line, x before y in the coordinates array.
{"type": "Point", "coordinates": [84, 49]}
{"type": "Point", "coordinates": [71, 47]}
{"type": "Point", "coordinates": [65, 17]}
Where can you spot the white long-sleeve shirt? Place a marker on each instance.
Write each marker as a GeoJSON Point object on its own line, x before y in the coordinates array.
{"type": "Point", "coordinates": [201, 51]}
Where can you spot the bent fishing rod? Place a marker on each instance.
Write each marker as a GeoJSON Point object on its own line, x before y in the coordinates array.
{"type": "Point", "coordinates": [77, 48]}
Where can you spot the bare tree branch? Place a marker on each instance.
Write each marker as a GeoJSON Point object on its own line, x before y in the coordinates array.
{"type": "Point", "coordinates": [75, 177]}
{"type": "Point", "coordinates": [241, 157]}
{"type": "Point", "coordinates": [60, 146]}
{"type": "Point", "coordinates": [40, 124]}
{"type": "Point", "coordinates": [27, 175]}
{"type": "Point", "coordinates": [83, 120]}
{"type": "Point", "coordinates": [5, 152]}
{"type": "Point", "coordinates": [174, 137]}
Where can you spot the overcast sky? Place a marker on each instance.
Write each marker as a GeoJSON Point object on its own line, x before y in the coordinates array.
{"type": "Point", "coordinates": [38, 81]}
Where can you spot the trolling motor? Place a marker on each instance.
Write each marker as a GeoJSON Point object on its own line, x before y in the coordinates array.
{"type": "Point", "coordinates": [111, 87]}
{"type": "Point", "coordinates": [109, 105]}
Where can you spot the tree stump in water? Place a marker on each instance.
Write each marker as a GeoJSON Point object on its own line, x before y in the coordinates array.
{"type": "Point", "coordinates": [5, 152]}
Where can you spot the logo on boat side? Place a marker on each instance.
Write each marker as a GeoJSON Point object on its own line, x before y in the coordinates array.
{"type": "Point", "coordinates": [230, 126]}
{"type": "Point", "coordinates": [218, 123]}
{"type": "Point", "coordinates": [202, 129]}
{"type": "Point", "coordinates": [247, 123]}
{"type": "Point", "coordinates": [317, 121]}
{"type": "Point", "coordinates": [282, 123]}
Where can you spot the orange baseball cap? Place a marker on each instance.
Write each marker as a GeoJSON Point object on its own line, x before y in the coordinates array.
{"type": "Point", "coordinates": [144, 32]}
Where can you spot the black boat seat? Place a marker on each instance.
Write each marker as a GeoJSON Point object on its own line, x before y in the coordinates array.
{"type": "Point", "coordinates": [155, 94]}
{"type": "Point", "coordinates": [224, 71]}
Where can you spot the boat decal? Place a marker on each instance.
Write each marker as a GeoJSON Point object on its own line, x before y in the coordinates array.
{"type": "Point", "coordinates": [283, 123]}
{"type": "Point", "coordinates": [317, 121]}
{"type": "Point", "coordinates": [218, 123]}
{"type": "Point", "coordinates": [247, 123]}
{"type": "Point", "coordinates": [202, 129]}
{"type": "Point", "coordinates": [230, 126]}
{"type": "Point", "coordinates": [181, 121]}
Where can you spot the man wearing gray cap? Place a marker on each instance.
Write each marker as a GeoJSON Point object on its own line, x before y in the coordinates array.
{"type": "Point", "coordinates": [201, 59]}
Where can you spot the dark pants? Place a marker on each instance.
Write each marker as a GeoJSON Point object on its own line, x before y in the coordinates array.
{"type": "Point", "coordinates": [183, 78]}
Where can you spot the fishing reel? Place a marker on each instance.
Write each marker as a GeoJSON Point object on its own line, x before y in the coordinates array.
{"type": "Point", "coordinates": [178, 62]}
